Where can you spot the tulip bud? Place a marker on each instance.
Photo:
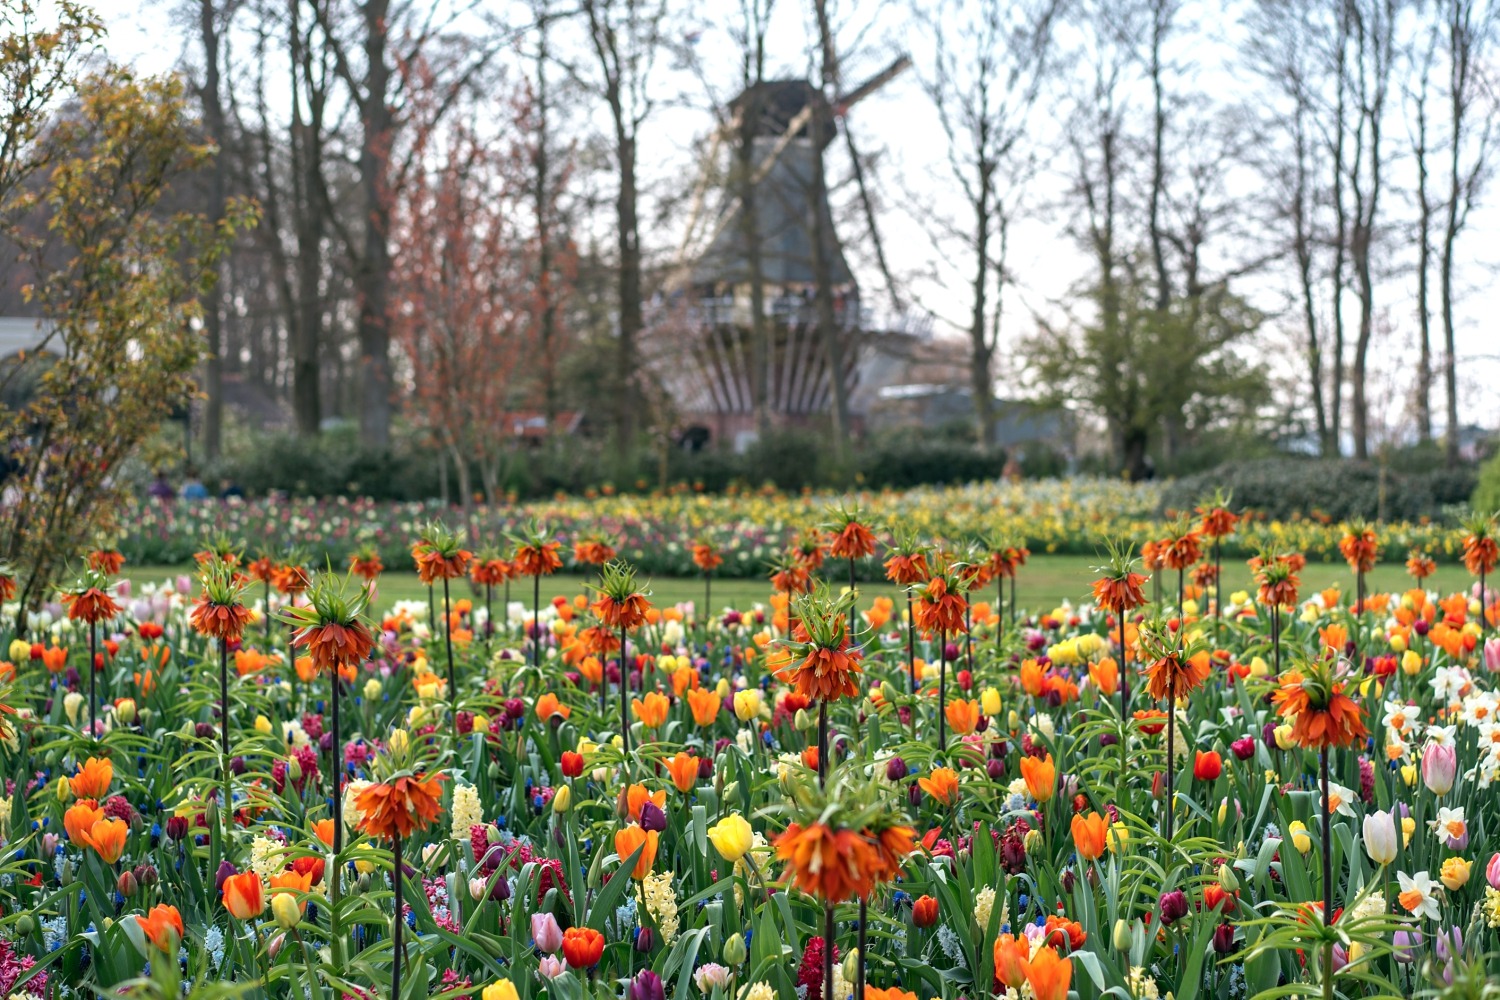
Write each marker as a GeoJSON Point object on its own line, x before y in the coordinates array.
{"type": "Point", "coordinates": [1439, 767]}
{"type": "Point", "coordinates": [802, 721]}
{"type": "Point", "coordinates": [1492, 871]}
{"type": "Point", "coordinates": [274, 947]}
{"type": "Point", "coordinates": [1228, 881]}
{"type": "Point", "coordinates": [1174, 906]}
{"type": "Point", "coordinates": [888, 693]}
{"type": "Point", "coordinates": [645, 939]}
{"type": "Point", "coordinates": [20, 650]}
{"type": "Point", "coordinates": [1122, 935]}
{"type": "Point", "coordinates": [293, 770]}
{"type": "Point", "coordinates": [25, 924]}
{"type": "Point", "coordinates": [1033, 841]}
{"type": "Point", "coordinates": [653, 818]}
{"type": "Point", "coordinates": [126, 884]}
{"type": "Point", "coordinates": [895, 769]}
{"type": "Point", "coordinates": [562, 800]}
{"type": "Point", "coordinates": [286, 911]}
{"type": "Point", "coordinates": [1224, 939]}
{"type": "Point", "coordinates": [125, 711]}
{"type": "Point", "coordinates": [851, 965]}
{"type": "Point", "coordinates": [734, 949]}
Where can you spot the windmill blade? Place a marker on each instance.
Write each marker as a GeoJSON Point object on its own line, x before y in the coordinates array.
{"type": "Point", "coordinates": [898, 66]}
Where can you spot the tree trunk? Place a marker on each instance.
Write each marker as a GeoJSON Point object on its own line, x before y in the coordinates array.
{"type": "Point", "coordinates": [310, 210]}
{"type": "Point", "coordinates": [1341, 235]}
{"type": "Point", "coordinates": [1160, 21]}
{"type": "Point", "coordinates": [373, 271]}
{"type": "Point", "coordinates": [542, 206]}
{"type": "Point", "coordinates": [760, 345]}
{"type": "Point", "coordinates": [631, 320]}
{"type": "Point", "coordinates": [830, 330]}
{"type": "Point", "coordinates": [981, 351]}
{"type": "Point", "coordinates": [213, 323]}
{"type": "Point", "coordinates": [1424, 259]}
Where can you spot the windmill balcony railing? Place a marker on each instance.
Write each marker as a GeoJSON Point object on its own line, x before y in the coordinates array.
{"type": "Point", "coordinates": [791, 312]}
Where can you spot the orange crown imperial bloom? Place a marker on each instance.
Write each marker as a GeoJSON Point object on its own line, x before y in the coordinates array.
{"type": "Point", "coordinates": [538, 560]}
{"type": "Point", "coordinates": [1218, 522]}
{"type": "Point", "coordinates": [332, 645]}
{"type": "Point", "coordinates": [1360, 549]}
{"type": "Point", "coordinates": [1182, 551]}
{"type": "Point", "coordinates": [106, 561]}
{"type": "Point", "coordinates": [225, 622]}
{"type": "Point", "coordinates": [627, 613]}
{"type": "Point", "coordinates": [592, 553]}
{"type": "Point", "coordinates": [855, 541]}
{"type": "Point", "coordinates": [490, 572]}
{"type": "Point", "coordinates": [1321, 714]}
{"type": "Point", "coordinates": [1481, 553]}
{"type": "Point", "coordinates": [906, 569]}
{"type": "Point", "coordinates": [706, 557]}
{"type": "Point", "coordinates": [939, 608]}
{"type": "Point", "coordinates": [825, 674]}
{"type": "Point", "coordinates": [892, 846]}
{"type": "Point", "coordinates": [91, 605]}
{"type": "Point", "coordinates": [1119, 594]}
{"type": "Point", "coordinates": [432, 565]}
{"type": "Point", "coordinates": [1172, 676]}
{"type": "Point", "coordinates": [833, 865]}
{"type": "Point", "coordinates": [401, 807]}
{"type": "Point", "coordinates": [1420, 565]}
{"type": "Point", "coordinates": [366, 567]}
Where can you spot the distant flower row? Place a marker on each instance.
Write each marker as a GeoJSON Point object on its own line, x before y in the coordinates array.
{"type": "Point", "coordinates": [657, 533]}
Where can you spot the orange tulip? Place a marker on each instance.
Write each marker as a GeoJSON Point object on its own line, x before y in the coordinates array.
{"type": "Point", "coordinates": [107, 838]}
{"type": "Point", "coordinates": [637, 796]}
{"type": "Point", "coordinates": [963, 716]}
{"type": "Point", "coordinates": [705, 705]}
{"type": "Point", "coordinates": [243, 896]}
{"type": "Point", "coordinates": [79, 818]}
{"type": "Point", "coordinates": [1106, 676]}
{"type": "Point", "coordinates": [1049, 975]}
{"type": "Point", "coordinates": [631, 838]}
{"type": "Point", "coordinates": [683, 678]}
{"type": "Point", "coordinates": [1089, 833]}
{"type": "Point", "coordinates": [93, 778]}
{"type": "Point", "coordinates": [684, 771]}
{"type": "Point", "coordinates": [323, 830]}
{"type": "Point", "coordinates": [1040, 777]}
{"type": "Point", "coordinates": [1012, 955]}
{"type": "Point", "coordinates": [163, 927]}
{"type": "Point", "coordinates": [941, 785]}
{"type": "Point", "coordinates": [894, 993]}
{"type": "Point", "coordinates": [292, 881]}
{"type": "Point", "coordinates": [652, 710]}
{"type": "Point", "coordinates": [548, 706]}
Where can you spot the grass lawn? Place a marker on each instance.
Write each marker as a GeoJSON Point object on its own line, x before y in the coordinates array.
{"type": "Point", "coordinates": [1044, 583]}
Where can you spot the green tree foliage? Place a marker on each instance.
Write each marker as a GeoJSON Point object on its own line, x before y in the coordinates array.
{"type": "Point", "coordinates": [1159, 379]}
{"type": "Point", "coordinates": [115, 271]}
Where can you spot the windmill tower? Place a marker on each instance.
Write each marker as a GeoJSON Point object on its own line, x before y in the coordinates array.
{"type": "Point", "coordinates": [713, 369]}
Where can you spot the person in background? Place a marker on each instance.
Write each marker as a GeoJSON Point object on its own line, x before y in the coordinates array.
{"type": "Point", "coordinates": [193, 488]}
{"type": "Point", "coordinates": [160, 489]}
{"type": "Point", "coordinates": [229, 488]}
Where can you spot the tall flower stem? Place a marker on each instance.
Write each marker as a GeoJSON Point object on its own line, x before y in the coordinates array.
{"type": "Point", "coordinates": [969, 635]}
{"type": "Point", "coordinates": [1124, 696]}
{"type": "Point", "coordinates": [224, 736]}
{"type": "Point", "coordinates": [397, 921]}
{"type": "Point", "coordinates": [1484, 619]}
{"type": "Point", "coordinates": [431, 605]}
{"type": "Point", "coordinates": [536, 622]}
{"type": "Point", "coordinates": [942, 651]}
{"type": "Point", "coordinates": [489, 617]}
{"type": "Point", "coordinates": [911, 643]}
{"type": "Point", "coordinates": [853, 611]}
{"type": "Point", "coordinates": [93, 655]}
{"type": "Point", "coordinates": [1171, 738]}
{"type": "Point", "coordinates": [859, 974]}
{"type": "Point", "coordinates": [1012, 601]}
{"type": "Point", "coordinates": [1181, 593]}
{"type": "Point", "coordinates": [625, 694]}
{"type": "Point", "coordinates": [448, 642]}
{"type": "Point", "coordinates": [1276, 639]}
{"type": "Point", "coordinates": [1218, 583]}
{"type": "Point", "coordinates": [708, 590]}
{"type": "Point", "coordinates": [1327, 843]}
{"type": "Point", "coordinates": [336, 770]}
{"type": "Point", "coordinates": [999, 612]}
{"type": "Point", "coordinates": [268, 616]}
{"type": "Point", "coordinates": [822, 744]}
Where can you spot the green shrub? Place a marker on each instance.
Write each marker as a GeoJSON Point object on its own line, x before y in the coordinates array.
{"type": "Point", "coordinates": [1325, 488]}
{"type": "Point", "coordinates": [1486, 494]}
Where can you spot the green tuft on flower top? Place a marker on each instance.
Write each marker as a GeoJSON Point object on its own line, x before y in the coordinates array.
{"type": "Point", "coordinates": [824, 617]}
{"type": "Point", "coordinates": [329, 601]}
{"type": "Point", "coordinates": [222, 584]}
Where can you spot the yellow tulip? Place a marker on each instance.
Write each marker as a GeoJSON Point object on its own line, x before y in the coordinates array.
{"type": "Point", "coordinates": [731, 837]}
{"type": "Point", "coordinates": [1300, 840]}
{"type": "Point", "coordinates": [500, 989]}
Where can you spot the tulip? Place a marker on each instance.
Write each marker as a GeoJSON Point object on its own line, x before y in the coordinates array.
{"type": "Point", "coordinates": [572, 764]}
{"type": "Point", "coordinates": [647, 985]}
{"type": "Point", "coordinates": [1174, 906]}
{"type": "Point", "coordinates": [1380, 837]}
{"type": "Point", "coordinates": [500, 989]}
{"type": "Point", "coordinates": [244, 896]}
{"type": "Point", "coordinates": [924, 912]}
{"type": "Point", "coordinates": [1207, 765]}
{"type": "Point", "coordinates": [1407, 944]}
{"type": "Point", "coordinates": [1011, 958]}
{"type": "Point", "coordinates": [895, 769]}
{"type": "Point", "coordinates": [1492, 655]}
{"type": "Point", "coordinates": [1439, 767]}
{"type": "Point", "coordinates": [286, 911]}
{"type": "Point", "coordinates": [546, 934]}
{"type": "Point", "coordinates": [1297, 830]}
{"type": "Point", "coordinates": [1455, 873]}
{"type": "Point", "coordinates": [645, 939]}
{"type": "Point", "coordinates": [1224, 939]}
{"type": "Point", "coordinates": [550, 967]}
{"type": "Point", "coordinates": [731, 837]}
{"type": "Point", "coordinates": [652, 817]}
{"type": "Point", "coordinates": [1243, 748]}
{"type": "Point", "coordinates": [1492, 871]}
{"type": "Point", "coordinates": [710, 975]}
{"type": "Point", "coordinates": [562, 800]}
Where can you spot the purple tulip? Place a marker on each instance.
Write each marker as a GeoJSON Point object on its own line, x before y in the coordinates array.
{"type": "Point", "coordinates": [647, 985]}
{"type": "Point", "coordinates": [1174, 906]}
{"type": "Point", "coordinates": [895, 770]}
{"type": "Point", "coordinates": [652, 818]}
{"type": "Point", "coordinates": [1407, 945]}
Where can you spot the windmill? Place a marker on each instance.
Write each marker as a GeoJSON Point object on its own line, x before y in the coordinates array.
{"type": "Point", "coordinates": [713, 363]}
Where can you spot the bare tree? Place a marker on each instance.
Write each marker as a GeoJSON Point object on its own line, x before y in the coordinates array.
{"type": "Point", "coordinates": [989, 69]}
{"type": "Point", "coordinates": [1423, 56]}
{"type": "Point", "coordinates": [210, 31]}
{"type": "Point", "coordinates": [1468, 39]}
{"type": "Point", "coordinates": [626, 37]}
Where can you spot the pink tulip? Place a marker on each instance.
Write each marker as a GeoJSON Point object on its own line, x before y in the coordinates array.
{"type": "Point", "coordinates": [1492, 655]}
{"type": "Point", "coordinates": [1492, 871]}
{"type": "Point", "coordinates": [550, 967]}
{"type": "Point", "coordinates": [1439, 766]}
{"type": "Point", "coordinates": [546, 932]}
